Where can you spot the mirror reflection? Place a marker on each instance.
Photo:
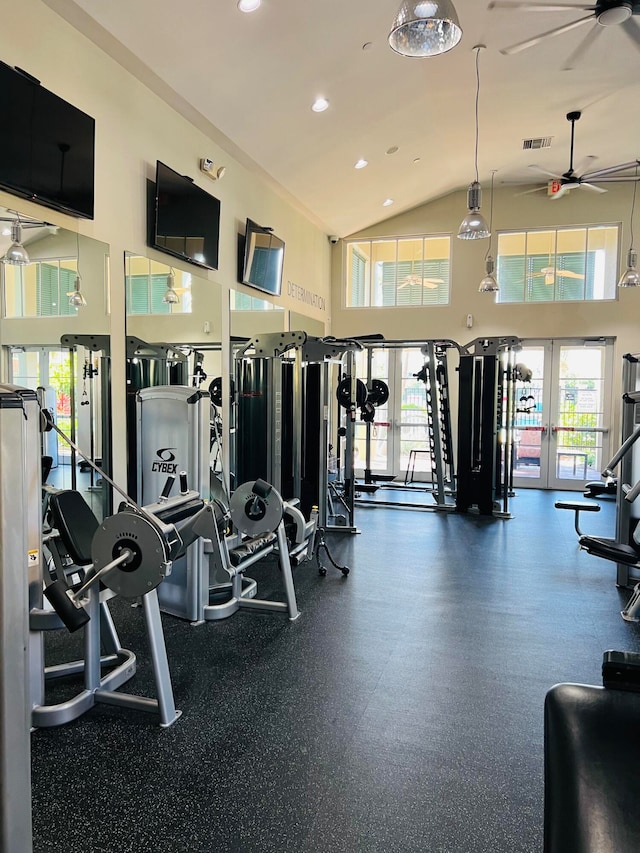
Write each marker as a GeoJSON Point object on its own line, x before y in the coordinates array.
{"type": "Point", "coordinates": [174, 332]}
{"type": "Point", "coordinates": [54, 333]}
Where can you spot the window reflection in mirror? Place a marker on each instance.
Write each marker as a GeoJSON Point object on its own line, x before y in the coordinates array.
{"type": "Point", "coordinates": [54, 332]}
{"type": "Point", "coordinates": [172, 311]}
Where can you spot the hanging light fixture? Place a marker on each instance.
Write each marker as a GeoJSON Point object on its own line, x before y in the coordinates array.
{"type": "Point", "coordinates": [16, 253]}
{"type": "Point", "coordinates": [76, 297]}
{"type": "Point", "coordinates": [170, 296]}
{"type": "Point", "coordinates": [474, 225]}
{"type": "Point", "coordinates": [489, 283]}
{"type": "Point", "coordinates": [425, 28]}
{"type": "Point", "coordinates": [631, 277]}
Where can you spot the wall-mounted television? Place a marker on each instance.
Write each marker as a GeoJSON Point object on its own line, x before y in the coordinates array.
{"type": "Point", "coordinates": [185, 219]}
{"type": "Point", "coordinates": [47, 146]}
{"type": "Point", "coordinates": [262, 259]}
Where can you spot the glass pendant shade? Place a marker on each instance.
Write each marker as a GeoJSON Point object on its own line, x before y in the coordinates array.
{"type": "Point", "coordinates": [489, 283]}
{"type": "Point", "coordinates": [474, 225]}
{"type": "Point", "coordinates": [425, 28]}
{"type": "Point", "coordinates": [16, 253]}
{"type": "Point", "coordinates": [631, 277]}
{"type": "Point", "coordinates": [77, 300]}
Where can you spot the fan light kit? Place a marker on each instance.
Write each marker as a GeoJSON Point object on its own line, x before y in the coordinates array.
{"type": "Point", "coordinates": [603, 14]}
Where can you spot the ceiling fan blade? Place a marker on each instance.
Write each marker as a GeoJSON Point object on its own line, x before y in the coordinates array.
{"type": "Point", "coordinates": [528, 192]}
{"type": "Point", "coordinates": [632, 29]}
{"type": "Point", "coordinates": [540, 7]}
{"type": "Point", "coordinates": [582, 48]}
{"type": "Point", "coordinates": [523, 45]}
{"type": "Point", "coordinates": [591, 187]}
{"type": "Point", "coordinates": [432, 283]}
{"type": "Point", "coordinates": [616, 179]}
{"type": "Point", "coordinates": [611, 170]}
{"type": "Point", "coordinates": [545, 172]}
{"type": "Point", "coordinates": [584, 163]}
{"type": "Point", "coordinates": [569, 274]}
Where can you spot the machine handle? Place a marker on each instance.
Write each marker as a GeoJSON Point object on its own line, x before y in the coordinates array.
{"type": "Point", "coordinates": [167, 487]}
{"type": "Point", "coordinates": [184, 488]}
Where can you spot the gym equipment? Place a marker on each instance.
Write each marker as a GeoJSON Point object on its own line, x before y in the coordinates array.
{"type": "Point", "coordinates": [19, 562]}
{"type": "Point", "coordinates": [591, 757]}
{"type": "Point", "coordinates": [98, 399]}
{"type": "Point", "coordinates": [486, 412]}
{"type": "Point", "coordinates": [131, 553]}
{"type": "Point", "coordinates": [207, 581]}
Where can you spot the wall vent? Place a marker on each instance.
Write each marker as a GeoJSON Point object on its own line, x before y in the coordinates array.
{"type": "Point", "coordinates": [538, 142]}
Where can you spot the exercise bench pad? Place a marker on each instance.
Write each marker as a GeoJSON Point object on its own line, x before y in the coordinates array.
{"type": "Point", "coordinates": [592, 781]}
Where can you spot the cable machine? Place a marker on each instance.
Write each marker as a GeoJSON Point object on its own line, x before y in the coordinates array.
{"type": "Point", "coordinates": [486, 412]}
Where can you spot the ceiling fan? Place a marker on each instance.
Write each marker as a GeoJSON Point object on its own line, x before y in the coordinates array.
{"type": "Point", "coordinates": [604, 13]}
{"type": "Point", "coordinates": [429, 283]}
{"type": "Point", "coordinates": [572, 179]}
{"type": "Point", "coordinates": [551, 271]}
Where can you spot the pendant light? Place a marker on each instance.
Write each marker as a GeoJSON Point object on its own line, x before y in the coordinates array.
{"type": "Point", "coordinates": [170, 296]}
{"type": "Point", "coordinates": [76, 297]}
{"type": "Point", "coordinates": [631, 277]}
{"type": "Point", "coordinates": [425, 28]}
{"type": "Point", "coordinates": [474, 225]}
{"type": "Point", "coordinates": [16, 253]}
{"type": "Point", "coordinates": [489, 283]}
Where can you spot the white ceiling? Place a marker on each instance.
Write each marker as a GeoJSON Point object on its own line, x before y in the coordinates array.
{"type": "Point", "coordinates": [254, 76]}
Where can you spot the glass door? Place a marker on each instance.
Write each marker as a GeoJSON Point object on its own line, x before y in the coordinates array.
{"type": "Point", "coordinates": [563, 413]}
{"type": "Point", "coordinates": [399, 431]}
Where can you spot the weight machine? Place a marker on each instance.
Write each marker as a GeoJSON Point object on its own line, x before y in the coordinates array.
{"type": "Point", "coordinates": [208, 581]}
{"type": "Point", "coordinates": [486, 417]}
{"type": "Point", "coordinates": [435, 375]}
{"type": "Point", "coordinates": [624, 550]}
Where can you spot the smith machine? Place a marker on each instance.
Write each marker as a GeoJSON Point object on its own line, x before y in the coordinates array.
{"type": "Point", "coordinates": [435, 375]}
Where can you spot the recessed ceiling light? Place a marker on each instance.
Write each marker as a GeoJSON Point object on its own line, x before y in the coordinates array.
{"type": "Point", "coordinates": [248, 5]}
{"type": "Point", "coordinates": [361, 164]}
{"type": "Point", "coordinates": [387, 202]}
{"type": "Point", "coordinates": [320, 105]}
{"type": "Point", "coordinates": [392, 150]}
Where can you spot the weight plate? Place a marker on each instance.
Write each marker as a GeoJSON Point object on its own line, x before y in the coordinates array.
{"type": "Point", "coordinates": [379, 392]}
{"type": "Point", "coordinates": [343, 392]}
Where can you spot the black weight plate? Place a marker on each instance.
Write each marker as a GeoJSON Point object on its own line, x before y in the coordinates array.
{"type": "Point", "coordinates": [343, 392]}
{"type": "Point", "coordinates": [379, 393]}
{"type": "Point", "coordinates": [215, 389]}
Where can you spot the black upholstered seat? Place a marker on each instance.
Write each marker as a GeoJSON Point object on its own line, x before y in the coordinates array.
{"type": "Point", "coordinates": [75, 522]}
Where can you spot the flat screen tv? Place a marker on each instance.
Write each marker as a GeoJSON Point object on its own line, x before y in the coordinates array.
{"type": "Point", "coordinates": [186, 219]}
{"type": "Point", "coordinates": [47, 146]}
{"type": "Point", "coordinates": [262, 259]}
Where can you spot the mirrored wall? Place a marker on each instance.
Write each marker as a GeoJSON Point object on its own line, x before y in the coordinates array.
{"type": "Point", "coordinates": [54, 333]}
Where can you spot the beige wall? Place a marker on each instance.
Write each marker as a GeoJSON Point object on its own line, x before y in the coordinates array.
{"type": "Point", "coordinates": [619, 318]}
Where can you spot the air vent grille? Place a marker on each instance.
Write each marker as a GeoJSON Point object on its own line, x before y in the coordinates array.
{"type": "Point", "coordinates": [537, 142]}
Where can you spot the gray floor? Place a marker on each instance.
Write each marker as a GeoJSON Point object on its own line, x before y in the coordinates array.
{"type": "Point", "coordinates": [402, 712]}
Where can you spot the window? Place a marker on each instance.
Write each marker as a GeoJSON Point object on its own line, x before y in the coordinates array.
{"type": "Point", "coordinates": [146, 283]}
{"type": "Point", "coordinates": [558, 265]}
{"type": "Point", "coordinates": [39, 289]}
{"type": "Point", "coordinates": [394, 272]}
{"type": "Point", "coordinates": [246, 302]}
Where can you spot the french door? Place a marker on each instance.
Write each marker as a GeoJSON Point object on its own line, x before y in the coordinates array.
{"type": "Point", "coordinates": [399, 432]}
{"type": "Point", "coordinates": [561, 437]}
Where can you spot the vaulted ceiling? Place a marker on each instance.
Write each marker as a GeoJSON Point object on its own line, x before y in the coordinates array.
{"type": "Point", "coordinates": [255, 76]}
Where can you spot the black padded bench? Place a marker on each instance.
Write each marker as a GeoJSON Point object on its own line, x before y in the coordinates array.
{"type": "Point", "coordinates": [592, 763]}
